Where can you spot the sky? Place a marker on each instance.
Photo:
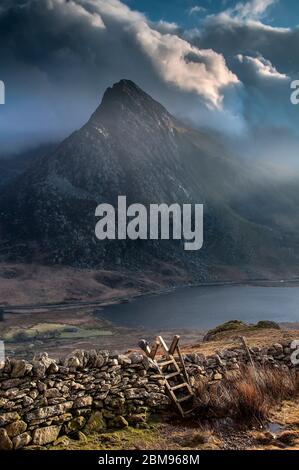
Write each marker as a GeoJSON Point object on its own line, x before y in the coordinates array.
{"type": "Point", "coordinates": [187, 13]}
{"type": "Point", "coordinates": [224, 65]}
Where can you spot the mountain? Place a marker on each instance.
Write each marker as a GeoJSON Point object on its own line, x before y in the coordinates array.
{"type": "Point", "coordinates": [15, 165]}
{"type": "Point", "coordinates": [133, 146]}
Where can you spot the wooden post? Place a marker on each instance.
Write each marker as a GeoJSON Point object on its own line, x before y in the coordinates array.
{"type": "Point", "coordinates": [243, 340]}
{"type": "Point", "coordinates": [154, 349]}
{"type": "Point", "coordinates": [143, 344]}
{"type": "Point", "coordinates": [183, 366]}
{"type": "Point", "coordinates": [174, 344]}
{"type": "Point", "coordinates": [164, 345]}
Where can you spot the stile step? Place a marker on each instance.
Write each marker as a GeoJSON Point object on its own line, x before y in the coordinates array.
{"type": "Point", "coordinates": [172, 374]}
{"type": "Point", "coordinates": [180, 400]}
{"type": "Point", "coordinates": [188, 411]}
{"type": "Point", "coordinates": [176, 387]}
{"type": "Point", "coordinates": [166, 363]}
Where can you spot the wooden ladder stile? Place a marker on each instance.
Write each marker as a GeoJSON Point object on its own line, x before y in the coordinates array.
{"type": "Point", "coordinates": [173, 370]}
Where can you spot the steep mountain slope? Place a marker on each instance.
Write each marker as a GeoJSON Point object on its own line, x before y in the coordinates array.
{"type": "Point", "coordinates": [132, 146]}
{"type": "Point", "coordinates": [15, 165]}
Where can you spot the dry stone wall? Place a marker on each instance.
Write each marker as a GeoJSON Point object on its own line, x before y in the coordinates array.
{"type": "Point", "coordinates": [216, 366]}
{"type": "Point", "coordinates": [43, 400]}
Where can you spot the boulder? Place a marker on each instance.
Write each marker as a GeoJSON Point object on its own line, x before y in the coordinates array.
{"type": "Point", "coordinates": [7, 418]}
{"type": "Point", "coordinates": [49, 411]}
{"type": "Point", "coordinates": [43, 364]}
{"type": "Point", "coordinates": [75, 424]}
{"type": "Point", "coordinates": [12, 383]}
{"type": "Point", "coordinates": [124, 360]}
{"type": "Point", "coordinates": [20, 368]}
{"type": "Point", "coordinates": [119, 422]}
{"type": "Point", "coordinates": [82, 402]}
{"type": "Point", "coordinates": [16, 428]}
{"type": "Point", "coordinates": [96, 423]}
{"type": "Point", "coordinates": [137, 419]}
{"type": "Point", "coordinates": [22, 440]}
{"type": "Point", "coordinates": [5, 441]}
{"type": "Point", "coordinates": [46, 435]}
{"type": "Point", "coordinates": [136, 358]}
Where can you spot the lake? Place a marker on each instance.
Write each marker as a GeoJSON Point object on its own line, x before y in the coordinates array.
{"type": "Point", "coordinates": [206, 307]}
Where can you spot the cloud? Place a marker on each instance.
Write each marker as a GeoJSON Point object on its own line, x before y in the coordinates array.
{"type": "Point", "coordinates": [263, 57]}
{"type": "Point", "coordinates": [253, 9]}
{"type": "Point", "coordinates": [266, 92]}
{"type": "Point", "coordinates": [58, 56]}
{"type": "Point", "coordinates": [240, 30]}
{"type": "Point", "coordinates": [197, 9]}
{"type": "Point", "coordinates": [260, 67]}
{"type": "Point", "coordinates": [191, 69]}
{"type": "Point", "coordinates": [167, 51]}
{"type": "Point", "coordinates": [165, 27]}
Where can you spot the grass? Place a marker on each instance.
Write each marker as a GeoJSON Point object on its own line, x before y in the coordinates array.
{"type": "Point", "coordinates": [128, 438]}
{"type": "Point", "coordinates": [157, 436]}
{"type": "Point", "coordinates": [246, 396]}
{"type": "Point", "coordinates": [52, 330]}
{"type": "Point", "coordinates": [235, 326]}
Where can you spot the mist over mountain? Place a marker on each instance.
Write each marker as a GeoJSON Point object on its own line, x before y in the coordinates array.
{"type": "Point", "coordinates": [12, 166]}
{"type": "Point", "coordinates": [133, 146]}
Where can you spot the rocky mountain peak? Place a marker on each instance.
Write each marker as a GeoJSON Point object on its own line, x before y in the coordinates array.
{"type": "Point", "coordinates": [132, 146]}
{"type": "Point", "coordinates": [123, 88]}
{"type": "Point", "coordinates": [125, 100]}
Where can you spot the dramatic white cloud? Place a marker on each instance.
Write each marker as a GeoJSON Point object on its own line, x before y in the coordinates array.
{"type": "Point", "coordinates": [165, 27]}
{"type": "Point", "coordinates": [79, 47]}
{"type": "Point", "coordinates": [191, 69]}
{"type": "Point", "coordinates": [260, 67]}
{"type": "Point", "coordinates": [206, 75]}
{"type": "Point", "coordinates": [59, 56]}
{"type": "Point", "coordinates": [240, 30]}
{"type": "Point", "coordinates": [252, 9]}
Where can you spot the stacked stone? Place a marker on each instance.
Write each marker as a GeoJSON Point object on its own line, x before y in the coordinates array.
{"type": "Point", "coordinates": [89, 390]}
{"type": "Point", "coordinates": [42, 401]}
{"type": "Point", "coordinates": [216, 366]}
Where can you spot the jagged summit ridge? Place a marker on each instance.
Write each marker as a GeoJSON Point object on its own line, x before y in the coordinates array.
{"type": "Point", "coordinates": [127, 101]}
{"type": "Point", "coordinates": [125, 87]}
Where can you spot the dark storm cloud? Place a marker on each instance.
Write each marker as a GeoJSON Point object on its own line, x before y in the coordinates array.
{"type": "Point", "coordinates": [232, 36]}
{"type": "Point", "coordinates": [58, 56]}
{"type": "Point", "coordinates": [264, 58]}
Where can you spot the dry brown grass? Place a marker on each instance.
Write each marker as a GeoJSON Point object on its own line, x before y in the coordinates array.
{"type": "Point", "coordinates": [254, 337]}
{"type": "Point", "coordinates": [248, 395]}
